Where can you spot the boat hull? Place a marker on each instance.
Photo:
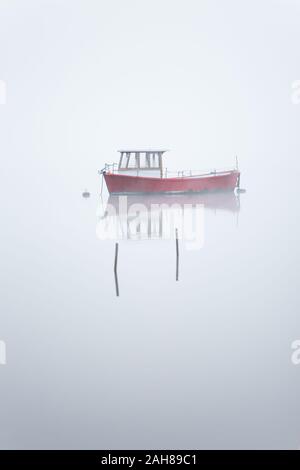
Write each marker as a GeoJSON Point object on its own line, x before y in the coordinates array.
{"type": "Point", "coordinates": [125, 184]}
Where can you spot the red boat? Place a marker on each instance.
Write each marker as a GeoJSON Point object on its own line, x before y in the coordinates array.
{"type": "Point", "coordinates": [141, 171]}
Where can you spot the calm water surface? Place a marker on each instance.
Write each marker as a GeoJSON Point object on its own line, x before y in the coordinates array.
{"type": "Point", "coordinates": [204, 362]}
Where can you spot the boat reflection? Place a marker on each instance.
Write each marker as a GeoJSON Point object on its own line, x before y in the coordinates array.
{"type": "Point", "coordinates": [224, 201]}
{"type": "Point", "coordinates": [148, 217]}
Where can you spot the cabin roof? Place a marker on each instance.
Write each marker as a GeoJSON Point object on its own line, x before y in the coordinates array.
{"type": "Point", "coordinates": [147, 150]}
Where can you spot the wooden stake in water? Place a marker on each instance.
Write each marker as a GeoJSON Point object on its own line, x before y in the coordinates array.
{"type": "Point", "coordinates": [177, 255]}
{"type": "Point", "coordinates": [116, 268]}
{"type": "Point", "coordinates": [116, 257]}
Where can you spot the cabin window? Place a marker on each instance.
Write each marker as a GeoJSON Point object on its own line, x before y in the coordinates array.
{"type": "Point", "coordinates": [133, 160]}
{"type": "Point", "coordinates": [149, 160]}
{"type": "Point", "coordinates": [127, 161]}
{"type": "Point", "coordinates": [123, 160]}
{"type": "Point", "coordinates": [154, 160]}
{"type": "Point", "coordinates": [142, 160]}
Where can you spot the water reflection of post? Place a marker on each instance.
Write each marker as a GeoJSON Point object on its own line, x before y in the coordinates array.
{"type": "Point", "coordinates": [177, 255]}
{"type": "Point", "coordinates": [116, 269]}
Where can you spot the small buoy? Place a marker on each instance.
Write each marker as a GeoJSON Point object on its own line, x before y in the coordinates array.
{"type": "Point", "coordinates": [240, 190]}
{"type": "Point", "coordinates": [85, 193]}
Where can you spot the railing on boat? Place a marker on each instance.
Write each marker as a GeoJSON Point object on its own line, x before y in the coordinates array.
{"type": "Point", "coordinates": [113, 168]}
{"type": "Point", "coordinates": [189, 173]}
{"type": "Point", "coordinates": [110, 167]}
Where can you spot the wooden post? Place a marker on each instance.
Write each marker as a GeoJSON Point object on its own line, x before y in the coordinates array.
{"type": "Point", "coordinates": [177, 255]}
{"type": "Point", "coordinates": [115, 268]}
{"type": "Point", "coordinates": [117, 284]}
{"type": "Point", "coordinates": [116, 257]}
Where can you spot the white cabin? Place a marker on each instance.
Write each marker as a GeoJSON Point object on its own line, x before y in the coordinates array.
{"type": "Point", "coordinates": [141, 162]}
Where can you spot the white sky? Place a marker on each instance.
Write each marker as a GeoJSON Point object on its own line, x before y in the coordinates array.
{"type": "Point", "coordinates": [205, 79]}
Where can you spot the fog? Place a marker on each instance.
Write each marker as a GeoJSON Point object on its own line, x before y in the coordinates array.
{"type": "Point", "coordinates": [204, 362]}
